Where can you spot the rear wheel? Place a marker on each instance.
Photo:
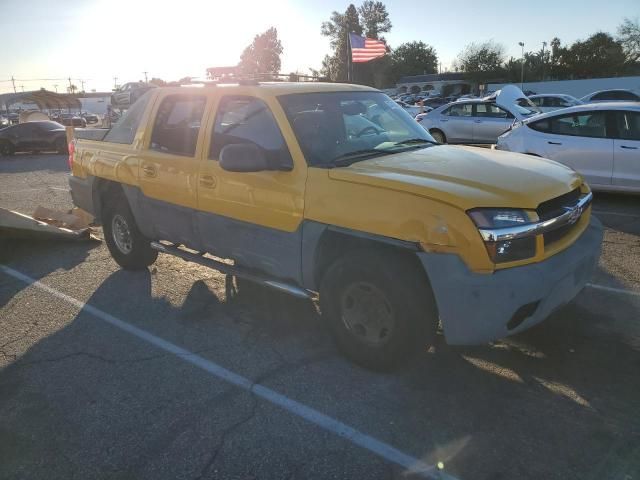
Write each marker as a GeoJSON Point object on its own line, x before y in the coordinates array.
{"type": "Point", "coordinates": [61, 146]}
{"type": "Point", "coordinates": [379, 312]}
{"type": "Point", "coordinates": [6, 149]}
{"type": "Point", "coordinates": [438, 136]}
{"type": "Point", "coordinates": [128, 247]}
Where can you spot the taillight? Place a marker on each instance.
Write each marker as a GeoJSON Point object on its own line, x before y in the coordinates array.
{"type": "Point", "coordinates": [72, 149]}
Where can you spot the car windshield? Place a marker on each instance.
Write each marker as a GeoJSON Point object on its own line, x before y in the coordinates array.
{"type": "Point", "coordinates": [338, 128]}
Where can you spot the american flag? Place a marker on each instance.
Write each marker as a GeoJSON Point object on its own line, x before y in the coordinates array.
{"type": "Point", "coordinates": [366, 49]}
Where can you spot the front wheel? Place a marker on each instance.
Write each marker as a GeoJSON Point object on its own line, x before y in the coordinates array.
{"type": "Point", "coordinates": [6, 149]}
{"type": "Point", "coordinates": [128, 247]}
{"type": "Point", "coordinates": [438, 136]}
{"type": "Point", "coordinates": [379, 313]}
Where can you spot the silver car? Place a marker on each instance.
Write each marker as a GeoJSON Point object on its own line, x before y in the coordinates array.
{"type": "Point", "coordinates": [472, 121]}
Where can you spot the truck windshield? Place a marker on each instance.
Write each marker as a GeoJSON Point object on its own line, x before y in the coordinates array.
{"type": "Point", "coordinates": [339, 128]}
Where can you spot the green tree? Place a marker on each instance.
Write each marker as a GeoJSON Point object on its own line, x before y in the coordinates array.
{"type": "Point", "coordinates": [338, 27]}
{"type": "Point", "coordinates": [375, 18]}
{"type": "Point", "coordinates": [263, 55]}
{"type": "Point", "coordinates": [598, 56]}
{"type": "Point", "coordinates": [629, 38]}
{"type": "Point", "coordinates": [413, 58]}
{"type": "Point", "coordinates": [158, 82]}
{"type": "Point", "coordinates": [481, 61]}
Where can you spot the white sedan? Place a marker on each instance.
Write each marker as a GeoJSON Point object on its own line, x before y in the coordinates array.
{"type": "Point", "coordinates": [601, 141]}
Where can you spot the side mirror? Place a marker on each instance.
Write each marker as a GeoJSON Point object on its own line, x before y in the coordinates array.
{"type": "Point", "coordinates": [246, 157]}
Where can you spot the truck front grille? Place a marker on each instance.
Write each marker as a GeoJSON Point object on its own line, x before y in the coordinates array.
{"type": "Point", "coordinates": [554, 208]}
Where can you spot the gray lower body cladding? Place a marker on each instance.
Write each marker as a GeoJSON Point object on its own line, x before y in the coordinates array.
{"type": "Point", "coordinates": [477, 308]}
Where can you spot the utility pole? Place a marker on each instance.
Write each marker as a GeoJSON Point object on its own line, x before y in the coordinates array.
{"type": "Point", "coordinates": [82, 82]}
{"type": "Point", "coordinates": [13, 82]}
{"type": "Point", "coordinates": [145, 77]}
{"type": "Point", "coordinates": [55, 85]}
{"type": "Point", "coordinates": [522, 67]}
{"type": "Point", "coordinates": [115, 83]}
{"type": "Point", "coordinates": [70, 86]}
{"type": "Point", "coordinates": [544, 44]}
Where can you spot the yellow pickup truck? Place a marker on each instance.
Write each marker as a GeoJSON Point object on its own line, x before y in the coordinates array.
{"type": "Point", "coordinates": [334, 190]}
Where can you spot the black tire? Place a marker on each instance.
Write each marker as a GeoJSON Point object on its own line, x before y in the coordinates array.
{"type": "Point", "coordinates": [438, 135]}
{"type": "Point", "coordinates": [128, 247]}
{"type": "Point", "coordinates": [6, 149]}
{"type": "Point", "coordinates": [61, 146]}
{"type": "Point", "coordinates": [394, 288]}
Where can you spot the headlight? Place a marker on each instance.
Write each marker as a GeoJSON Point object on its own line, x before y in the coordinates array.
{"type": "Point", "coordinates": [506, 250]}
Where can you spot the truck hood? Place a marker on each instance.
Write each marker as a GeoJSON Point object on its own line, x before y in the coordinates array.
{"type": "Point", "coordinates": [465, 177]}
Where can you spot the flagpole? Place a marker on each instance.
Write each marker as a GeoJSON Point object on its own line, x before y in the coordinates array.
{"type": "Point", "coordinates": [349, 57]}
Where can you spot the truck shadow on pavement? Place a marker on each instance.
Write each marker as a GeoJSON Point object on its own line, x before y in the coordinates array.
{"type": "Point", "coordinates": [28, 163]}
{"type": "Point", "coordinates": [565, 392]}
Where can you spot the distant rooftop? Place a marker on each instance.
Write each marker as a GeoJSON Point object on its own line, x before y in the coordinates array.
{"type": "Point", "coordinates": [432, 77]}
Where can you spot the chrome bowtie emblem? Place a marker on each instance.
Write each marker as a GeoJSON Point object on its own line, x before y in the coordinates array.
{"type": "Point", "coordinates": [574, 214]}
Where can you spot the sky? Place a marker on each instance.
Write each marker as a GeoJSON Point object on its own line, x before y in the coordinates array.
{"type": "Point", "coordinates": [97, 40]}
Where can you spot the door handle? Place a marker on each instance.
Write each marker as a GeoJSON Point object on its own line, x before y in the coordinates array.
{"type": "Point", "coordinates": [554, 143]}
{"type": "Point", "coordinates": [207, 181]}
{"type": "Point", "coordinates": [149, 171]}
{"type": "Point", "coordinates": [444, 119]}
{"type": "Point", "coordinates": [627, 147]}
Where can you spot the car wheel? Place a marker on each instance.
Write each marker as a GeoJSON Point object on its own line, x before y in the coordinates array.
{"type": "Point", "coordinates": [438, 136]}
{"type": "Point", "coordinates": [128, 247]}
{"type": "Point", "coordinates": [378, 313]}
{"type": "Point", "coordinates": [6, 149]}
{"type": "Point", "coordinates": [61, 146]}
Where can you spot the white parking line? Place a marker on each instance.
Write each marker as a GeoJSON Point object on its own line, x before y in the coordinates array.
{"type": "Point", "coordinates": [619, 214]}
{"type": "Point", "coordinates": [613, 290]}
{"type": "Point", "coordinates": [330, 424]}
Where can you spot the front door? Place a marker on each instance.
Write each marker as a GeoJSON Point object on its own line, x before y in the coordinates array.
{"type": "Point", "coordinates": [169, 166]}
{"type": "Point", "coordinates": [580, 141]}
{"type": "Point", "coordinates": [252, 217]}
{"type": "Point", "coordinates": [626, 150]}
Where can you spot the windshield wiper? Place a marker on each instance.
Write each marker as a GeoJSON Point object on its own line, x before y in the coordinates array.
{"type": "Point", "coordinates": [348, 158]}
{"type": "Point", "coordinates": [415, 141]}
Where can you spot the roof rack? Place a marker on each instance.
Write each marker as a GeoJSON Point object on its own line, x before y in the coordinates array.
{"type": "Point", "coordinates": [250, 79]}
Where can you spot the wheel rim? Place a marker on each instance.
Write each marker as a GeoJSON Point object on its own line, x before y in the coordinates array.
{"type": "Point", "coordinates": [367, 314]}
{"type": "Point", "coordinates": [121, 234]}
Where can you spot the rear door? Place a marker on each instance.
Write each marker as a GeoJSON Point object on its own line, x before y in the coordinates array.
{"type": "Point", "coordinates": [457, 123]}
{"type": "Point", "coordinates": [169, 165]}
{"type": "Point", "coordinates": [626, 149]}
{"type": "Point", "coordinates": [490, 121]}
{"type": "Point", "coordinates": [580, 141]}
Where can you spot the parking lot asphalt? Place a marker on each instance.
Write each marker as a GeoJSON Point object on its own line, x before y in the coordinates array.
{"type": "Point", "coordinates": [120, 375]}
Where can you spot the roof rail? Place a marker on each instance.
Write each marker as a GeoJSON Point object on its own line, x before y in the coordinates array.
{"type": "Point", "coordinates": [252, 79]}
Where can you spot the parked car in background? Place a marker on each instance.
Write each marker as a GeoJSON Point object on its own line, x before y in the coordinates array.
{"type": "Point", "coordinates": [548, 102]}
{"type": "Point", "coordinates": [70, 120]}
{"type": "Point", "coordinates": [614, 95]}
{"type": "Point", "coordinates": [472, 121]}
{"type": "Point", "coordinates": [128, 93]}
{"type": "Point", "coordinates": [33, 137]}
{"type": "Point", "coordinates": [600, 141]}
{"type": "Point", "coordinates": [414, 110]}
{"type": "Point", "coordinates": [91, 119]}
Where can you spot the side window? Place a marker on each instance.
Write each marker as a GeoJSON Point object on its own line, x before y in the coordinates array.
{"type": "Point", "coordinates": [177, 124]}
{"type": "Point", "coordinates": [588, 124]}
{"type": "Point", "coordinates": [124, 131]}
{"type": "Point", "coordinates": [538, 101]}
{"type": "Point", "coordinates": [627, 96]}
{"type": "Point", "coordinates": [628, 125]}
{"type": "Point", "coordinates": [604, 96]}
{"type": "Point", "coordinates": [243, 119]}
{"type": "Point", "coordinates": [540, 126]}
{"type": "Point", "coordinates": [494, 111]}
{"type": "Point", "coordinates": [459, 110]}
